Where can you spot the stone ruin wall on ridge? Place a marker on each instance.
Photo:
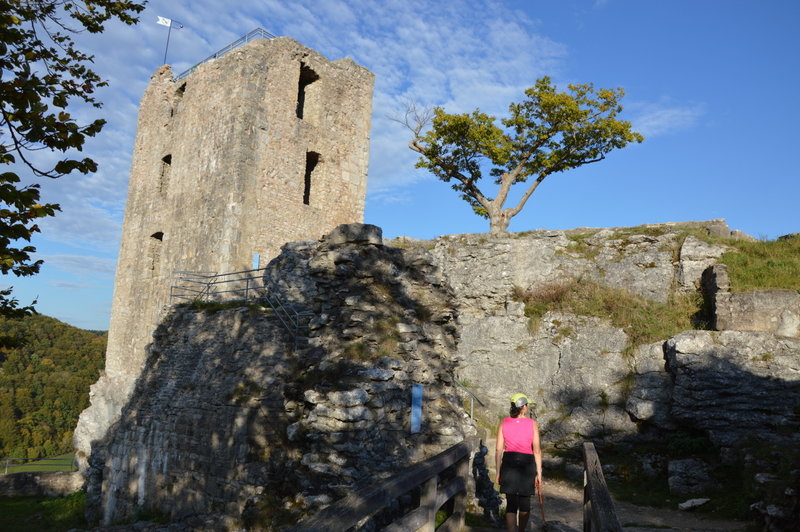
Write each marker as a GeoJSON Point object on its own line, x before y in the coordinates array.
{"type": "Point", "coordinates": [264, 145]}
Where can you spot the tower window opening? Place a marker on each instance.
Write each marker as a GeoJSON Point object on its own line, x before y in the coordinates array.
{"type": "Point", "coordinates": [176, 102]}
{"type": "Point", "coordinates": [166, 164]}
{"type": "Point", "coordinates": [154, 250]}
{"type": "Point", "coordinates": [312, 159]}
{"type": "Point", "coordinates": [307, 77]}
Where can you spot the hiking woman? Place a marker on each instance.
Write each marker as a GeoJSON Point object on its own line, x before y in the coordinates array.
{"type": "Point", "coordinates": [516, 454]}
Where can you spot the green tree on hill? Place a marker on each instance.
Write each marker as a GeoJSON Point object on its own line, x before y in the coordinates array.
{"type": "Point", "coordinates": [44, 384]}
{"type": "Point", "coordinates": [546, 133]}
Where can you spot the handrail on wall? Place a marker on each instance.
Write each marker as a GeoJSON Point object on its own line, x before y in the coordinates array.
{"type": "Point", "coordinates": [258, 33]}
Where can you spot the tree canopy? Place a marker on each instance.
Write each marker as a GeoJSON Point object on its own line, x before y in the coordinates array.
{"type": "Point", "coordinates": [46, 368]}
{"type": "Point", "coordinates": [546, 133]}
{"type": "Point", "coordinates": [43, 74]}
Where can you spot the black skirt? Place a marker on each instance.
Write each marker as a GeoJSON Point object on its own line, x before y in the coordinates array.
{"type": "Point", "coordinates": [517, 473]}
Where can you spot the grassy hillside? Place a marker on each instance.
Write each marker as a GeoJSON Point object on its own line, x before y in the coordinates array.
{"type": "Point", "coordinates": [46, 368]}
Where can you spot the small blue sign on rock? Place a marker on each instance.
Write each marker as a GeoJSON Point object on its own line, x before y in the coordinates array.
{"type": "Point", "coordinates": [416, 408]}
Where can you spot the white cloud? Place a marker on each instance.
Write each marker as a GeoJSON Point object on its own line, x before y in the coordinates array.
{"type": "Point", "coordinates": [439, 53]}
{"type": "Point", "coordinates": [660, 119]}
{"type": "Point", "coordinates": [68, 286]}
{"type": "Point", "coordinates": [82, 265]}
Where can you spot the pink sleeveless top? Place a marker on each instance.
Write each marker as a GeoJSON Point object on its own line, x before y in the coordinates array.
{"type": "Point", "coordinates": [518, 434]}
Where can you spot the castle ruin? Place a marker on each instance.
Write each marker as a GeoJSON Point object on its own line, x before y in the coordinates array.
{"type": "Point", "coordinates": [264, 145]}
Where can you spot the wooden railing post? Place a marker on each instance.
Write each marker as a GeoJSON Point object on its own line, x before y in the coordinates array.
{"type": "Point", "coordinates": [427, 500]}
{"type": "Point", "coordinates": [460, 500]}
{"type": "Point", "coordinates": [598, 508]}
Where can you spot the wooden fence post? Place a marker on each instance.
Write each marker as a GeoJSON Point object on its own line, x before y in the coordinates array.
{"type": "Point", "coordinates": [427, 500]}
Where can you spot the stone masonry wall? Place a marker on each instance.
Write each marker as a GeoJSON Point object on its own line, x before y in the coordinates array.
{"type": "Point", "coordinates": [231, 420]}
{"type": "Point", "coordinates": [222, 170]}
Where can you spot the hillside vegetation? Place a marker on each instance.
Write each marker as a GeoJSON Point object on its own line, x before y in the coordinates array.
{"type": "Point", "coordinates": [46, 368]}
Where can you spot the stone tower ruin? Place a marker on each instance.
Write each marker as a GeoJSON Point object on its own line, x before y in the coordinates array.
{"type": "Point", "coordinates": [266, 144]}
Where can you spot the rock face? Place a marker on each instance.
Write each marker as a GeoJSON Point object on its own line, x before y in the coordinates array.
{"type": "Point", "coordinates": [265, 144]}
{"type": "Point", "coordinates": [734, 385]}
{"type": "Point", "coordinates": [573, 365]}
{"type": "Point", "coordinates": [230, 418]}
{"type": "Point", "coordinates": [773, 311]}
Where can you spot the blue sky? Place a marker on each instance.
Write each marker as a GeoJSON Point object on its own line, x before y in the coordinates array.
{"type": "Point", "coordinates": [712, 85]}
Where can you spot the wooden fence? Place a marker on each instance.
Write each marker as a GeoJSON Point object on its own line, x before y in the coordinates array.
{"type": "Point", "coordinates": [435, 492]}
{"type": "Point", "coordinates": [598, 509]}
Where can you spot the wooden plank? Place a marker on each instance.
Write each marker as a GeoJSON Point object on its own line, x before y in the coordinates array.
{"type": "Point", "coordinates": [428, 502]}
{"type": "Point", "coordinates": [416, 519]}
{"type": "Point", "coordinates": [348, 511]}
{"type": "Point", "coordinates": [597, 499]}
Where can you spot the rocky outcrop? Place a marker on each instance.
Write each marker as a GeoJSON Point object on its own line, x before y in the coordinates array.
{"type": "Point", "coordinates": [571, 367]}
{"type": "Point", "coordinates": [735, 385]}
{"type": "Point", "coordinates": [772, 311]}
{"type": "Point", "coordinates": [233, 416]}
{"type": "Point", "coordinates": [647, 261]}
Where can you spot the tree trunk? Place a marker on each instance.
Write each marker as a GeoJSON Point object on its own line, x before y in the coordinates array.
{"type": "Point", "coordinates": [498, 221]}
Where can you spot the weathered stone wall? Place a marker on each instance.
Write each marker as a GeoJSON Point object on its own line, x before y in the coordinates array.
{"type": "Point", "coordinates": [54, 484]}
{"type": "Point", "coordinates": [222, 169]}
{"type": "Point", "coordinates": [230, 419]}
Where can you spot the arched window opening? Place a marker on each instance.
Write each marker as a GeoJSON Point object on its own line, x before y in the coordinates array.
{"type": "Point", "coordinates": [312, 159]}
{"type": "Point", "coordinates": [177, 100]}
{"type": "Point", "coordinates": [163, 180]}
{"type": "Point", "coordinates": [154, 251]}
{"type": "Point", "coordinates": [307, 77]}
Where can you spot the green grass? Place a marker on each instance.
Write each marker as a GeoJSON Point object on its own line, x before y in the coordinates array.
{"type": "Point", "coordinates": [642, 320]}
{"type": "Point", "coordinates": [43, 514]}
{"type": "Point", "coordinates": [764, 265]}
{"type": "Point", "coordinates": [62, 462]}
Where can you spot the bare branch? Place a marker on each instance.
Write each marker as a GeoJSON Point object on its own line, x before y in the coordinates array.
{"type": "Point", "coordinates": [416, 117]}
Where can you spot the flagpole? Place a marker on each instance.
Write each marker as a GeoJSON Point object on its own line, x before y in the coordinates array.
{"type": "Point", "coordinates": [167, 47]}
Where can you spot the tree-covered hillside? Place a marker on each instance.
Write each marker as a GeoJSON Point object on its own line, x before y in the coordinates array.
{"type": "Point", "coordinates": [46, 368]}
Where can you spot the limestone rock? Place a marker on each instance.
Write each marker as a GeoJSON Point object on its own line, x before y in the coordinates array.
{"type": "Point", "coordinates": [356, 234]}
{"type": "Point", "coordinates": [695, 257]}
{"type": "Point", "coordinates": [689, 477]}
{"type": "Point", "coordinates": [691, 504]}
{"type": "Point", "coordinates": [746, 383]}
{"type": "Point", "coordinates": [776, 311]}
{"type": "Point", "coordinates": [651, 391]}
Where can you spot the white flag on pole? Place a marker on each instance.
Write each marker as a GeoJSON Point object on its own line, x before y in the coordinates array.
{"type": "Point", "coordinates": [164, 21]}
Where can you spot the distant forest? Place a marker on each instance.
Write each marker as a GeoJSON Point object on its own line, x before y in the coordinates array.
{"type": "Point", "coordinates": [46, 368]}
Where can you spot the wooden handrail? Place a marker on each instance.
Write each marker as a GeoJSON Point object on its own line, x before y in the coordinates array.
{"type": "Point", "coordinates": [355, 507]}
{"type": "Point", "coordinates": [599, 514]}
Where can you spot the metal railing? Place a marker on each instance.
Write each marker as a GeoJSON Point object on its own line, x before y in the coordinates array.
{"type": "Point", "coordinates": [257, 33]}
{"type": "Point", "coordinates": [246, 285]}
{"type": "Point", "coordinates": [472, 399]}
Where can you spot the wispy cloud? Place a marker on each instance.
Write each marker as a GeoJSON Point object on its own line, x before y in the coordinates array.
{"type": "Point", "coordinates": [660, 119]}
{"type": "Point", "coordinates": [68, 286]}
{"type": "Point", "coordinates": [82, 265]}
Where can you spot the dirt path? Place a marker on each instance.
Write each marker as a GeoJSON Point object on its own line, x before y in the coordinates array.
{"type": "Point", "coordinates": [563, 507]}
